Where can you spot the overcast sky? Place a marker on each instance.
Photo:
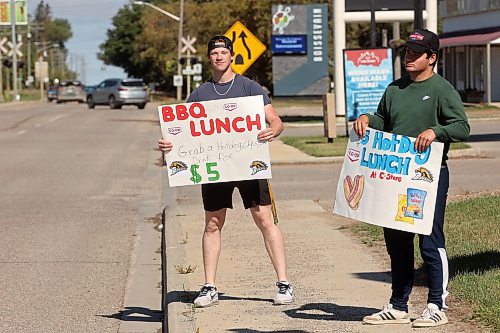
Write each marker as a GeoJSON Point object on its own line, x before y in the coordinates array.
{"type": "Point", "coordinates": [90, 20]}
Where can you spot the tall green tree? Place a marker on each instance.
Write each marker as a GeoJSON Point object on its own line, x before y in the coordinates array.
{"type": "Point", "coordinates": [50, 31]}
{"type": "Point", "coordinates": [43, 13]}
{"type": "Point", "coordinates": [58, 31]}
{"type": "Point", "coordinates": [123, 46]}
{"type": "Point", "coordinates": [144, 42]}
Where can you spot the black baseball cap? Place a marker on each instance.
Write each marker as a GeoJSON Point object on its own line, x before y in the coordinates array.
{"type": "Point", "coordinates": [219, 41]}
{"type": "Point", "coordinates": [422, 40]}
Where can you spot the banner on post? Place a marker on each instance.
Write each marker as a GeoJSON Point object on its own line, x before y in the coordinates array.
{"type": "Point", "coordinates": [367, 73]}
{"type": "Point", "coordinates": [386, 182]}
{"type": "Point", "coordinates": [215, 141]}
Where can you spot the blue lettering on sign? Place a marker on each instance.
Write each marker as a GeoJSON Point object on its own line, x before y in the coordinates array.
{"type": "Point", "coordinates": [390, 162]}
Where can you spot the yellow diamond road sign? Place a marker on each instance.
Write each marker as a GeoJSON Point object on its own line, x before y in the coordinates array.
{"type": "Point", "coordinates": [247, 48]}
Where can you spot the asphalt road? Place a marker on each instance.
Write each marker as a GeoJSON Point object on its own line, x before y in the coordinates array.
{"type": "Point", "coordinates": [70, 190]}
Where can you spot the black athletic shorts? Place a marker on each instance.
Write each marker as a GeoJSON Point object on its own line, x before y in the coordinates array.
{"type": "Point", "coordinates": [220, 195]}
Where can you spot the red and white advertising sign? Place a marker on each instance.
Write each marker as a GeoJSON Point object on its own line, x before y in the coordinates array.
{"type": "Point", "coordinates": [215, 141]}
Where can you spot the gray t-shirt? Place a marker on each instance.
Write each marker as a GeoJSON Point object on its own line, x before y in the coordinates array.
{"type": "Point", "coordinates": [241, 87]}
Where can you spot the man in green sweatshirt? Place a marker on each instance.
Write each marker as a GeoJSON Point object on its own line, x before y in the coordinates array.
{"type": "Point", "coordinates": [425, 106]}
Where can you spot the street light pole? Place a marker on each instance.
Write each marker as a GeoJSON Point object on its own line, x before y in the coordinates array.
{"type": "Point", "coordinates": [179, 36]}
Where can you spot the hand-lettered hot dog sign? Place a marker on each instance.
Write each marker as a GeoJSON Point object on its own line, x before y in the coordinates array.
{"type": "Point", "coordinates": [386, 182]}
{"type": "Point", "coordinates": [215, 141]}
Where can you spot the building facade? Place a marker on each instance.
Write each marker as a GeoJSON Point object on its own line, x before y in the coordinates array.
{"type": "Point", "coordinates": [470, 45]}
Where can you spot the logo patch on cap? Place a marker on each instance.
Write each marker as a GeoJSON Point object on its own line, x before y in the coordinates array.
{"type": "Point", "coordinates": [416, 36]}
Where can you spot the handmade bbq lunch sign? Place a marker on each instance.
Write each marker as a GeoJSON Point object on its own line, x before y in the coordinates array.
{"type": "Point", "coordinates": [215, 141]}
{"type": "Point", "coordinates": [386, 182]}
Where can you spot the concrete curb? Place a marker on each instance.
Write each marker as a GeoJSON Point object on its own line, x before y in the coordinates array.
{"type": "Point", "coordinates": [310, 160]}
{"type": "Point", "coordinates": [176, 317]}
{"type": "Point", "coordinates": [452, 154]}
{"type": "Point", "coordinates": [142, 304]}
{"type": "Point", "coordinates": [465, 153]}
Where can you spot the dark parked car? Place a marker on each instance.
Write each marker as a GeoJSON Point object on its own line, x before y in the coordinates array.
{"type": "Point", "coordinates": [119, 92]}
{"type": "Point", "coordinates": [51, 93]}
{"type": "Point", "coordinates": [70, 91]}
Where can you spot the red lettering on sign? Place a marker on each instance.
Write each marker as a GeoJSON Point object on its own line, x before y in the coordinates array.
{"type": "Point", "coordinates": [251, 123]}
{"type": "Point", "coordinates": [226, 125]}
{"type": "Point", "coordinates": [201, 110]}
{"type": "Point", "coordinates": [181, 111]}
{"type": "Point", "coordinates": [167, 113]}
{"type": "Point", "coordinates": [193, 129]}
{"type": "Point", "coordinates": [204, 130]}
{"type": "Point", "coordinates": [196, 110]}
{"type": "Point", "coordinates": [218, 125]}
{"type": "Point", "coordinates": [235, 124]}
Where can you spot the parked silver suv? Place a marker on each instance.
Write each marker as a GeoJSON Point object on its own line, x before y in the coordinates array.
{"type": "Point", "coordinates": [119, 92]}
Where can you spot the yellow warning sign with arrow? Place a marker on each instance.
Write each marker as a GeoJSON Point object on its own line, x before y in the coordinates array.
{"type": "Point", "coordinates": [247, 48]}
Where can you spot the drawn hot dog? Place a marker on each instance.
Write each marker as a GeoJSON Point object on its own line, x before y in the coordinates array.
{"type": "Point", "coordinates": [353, 191]}
{"type": "Point", "coordinates": [347, 186]}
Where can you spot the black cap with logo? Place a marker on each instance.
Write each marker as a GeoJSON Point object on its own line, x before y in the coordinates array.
{"type": "Point", "coordinates": [421, 40]}
{"type": "Point", "coordinates": [219, 41]}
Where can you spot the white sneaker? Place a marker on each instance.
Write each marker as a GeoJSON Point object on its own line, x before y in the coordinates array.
{"type": "Point", "coordinates": [431, 317]}
{"type": "Point", "coordinates": [285, 293]}
{"type": "Point", "coordinates": [388, 315]}
{"type": "Point", "coordinates": [208, 296]}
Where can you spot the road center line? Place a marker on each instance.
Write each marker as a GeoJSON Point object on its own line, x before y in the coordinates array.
{"type": "Point", "coordinates": [21, 132]}
{"type": "Point", "coordinates": [57, 117]}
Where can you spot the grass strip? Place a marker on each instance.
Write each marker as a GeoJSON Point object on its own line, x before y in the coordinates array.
{"type": "Point", "coordinates": [473, 246]}
{"type": "Point", "coordinates": [320, 147]}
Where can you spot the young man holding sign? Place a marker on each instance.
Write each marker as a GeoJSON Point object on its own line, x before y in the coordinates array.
{"type": "Point", "coordinates": [422, 105]}
{"type": "Point", "coordinates": [217, 197]}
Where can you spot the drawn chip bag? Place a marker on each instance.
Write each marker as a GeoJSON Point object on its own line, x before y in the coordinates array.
{"type": "Point", "coordinates": [400, 216]}
{"type": "Point", "coordinates": [415, 203]}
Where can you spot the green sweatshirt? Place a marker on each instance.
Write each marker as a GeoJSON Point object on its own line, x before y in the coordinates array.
{"type": "Point", "coordinates": [409, 108]}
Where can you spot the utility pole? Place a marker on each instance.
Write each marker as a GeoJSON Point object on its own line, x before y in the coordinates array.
{"type": "Point", "coordinates": [51, 63]}
{"type": "Point", "coordinates": [28, 35]}
{"type": "Point", "coordinates": [1, 83]}
{"type": "Point", "coordinates": [373, 25]}
{"type": "Point", "coordinates": [179, 47]}
{"type": "Point", "coordinates": [82, 74]}
{"type": "Point", "coordinates": [418, 22]}
{"type": "Point", "coordinates": [397, 59]}
{"type": "Point", "coordinates": [14, 48]}
{"type": "Point", "coordinates": [188, 77]}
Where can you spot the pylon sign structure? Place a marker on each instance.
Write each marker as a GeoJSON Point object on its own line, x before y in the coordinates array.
{"type": "Point", "coordinates": [247, 48]}
{"type": "Point", "coordinates": [21, 12]}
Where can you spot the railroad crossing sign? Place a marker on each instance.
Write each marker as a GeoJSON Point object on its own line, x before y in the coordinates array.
{"type": "Point", "coordinates": [188, 44]}
{"type": "Point", "coordinates": [247, 47]}
{"type": "Point", "coordinates": [18, 51]}
{"type": "Point", "coordinates": [3, 50]}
